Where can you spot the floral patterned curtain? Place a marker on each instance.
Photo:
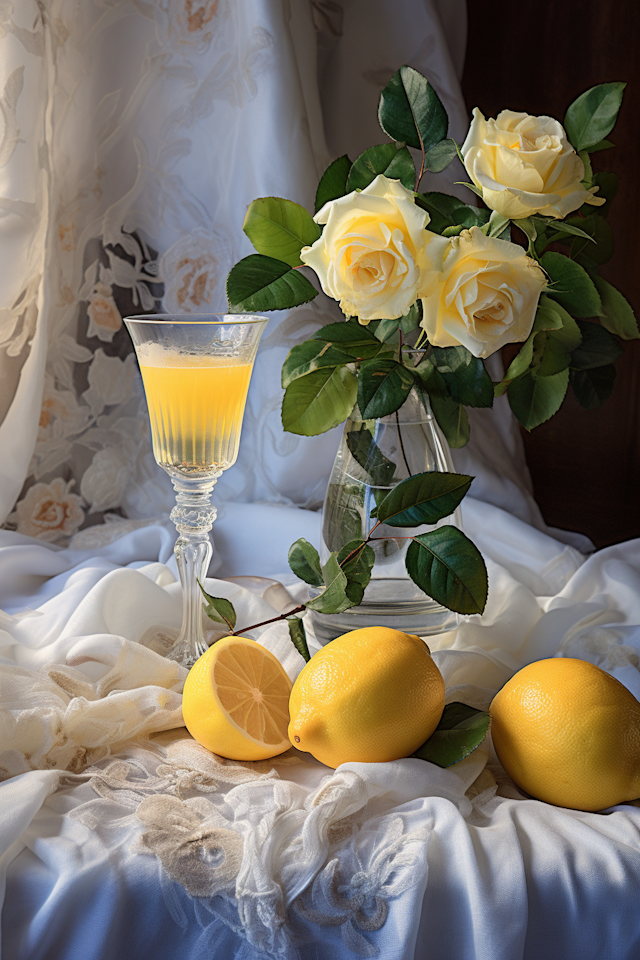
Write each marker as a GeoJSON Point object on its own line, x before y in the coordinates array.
{"type": "Point", "coordinates": [133, 134]}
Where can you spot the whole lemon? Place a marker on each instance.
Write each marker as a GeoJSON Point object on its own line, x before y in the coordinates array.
{"type": "Point", "coordinates": [371, 695]}
{"type": "Point", "coordinates": [568, 733]}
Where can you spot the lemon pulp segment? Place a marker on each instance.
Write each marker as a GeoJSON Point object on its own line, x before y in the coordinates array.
{"type": "Point", "coordinates": [253, 692]}
{"type": "Point", "coordinates": [236, 701]}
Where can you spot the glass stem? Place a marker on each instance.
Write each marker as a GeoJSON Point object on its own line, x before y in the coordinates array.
{"type": "Point", "coordinates": [193, 516]}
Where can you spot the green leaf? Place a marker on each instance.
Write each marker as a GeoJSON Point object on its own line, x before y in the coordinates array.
{"type": "Point", "coordinates": [410, 110]}
{"type": "Point", "coordinates": [519, 365]}
{"type": "Point", "coordinates": [593, 387]}
{"type": "Point", "coordinates": [501, 386]}
{"type": "Point", "coordinates": [280, 228]}
{"type": "Point", "coordinates": [319, 401]}
{"type": "Point", "coordinates": [618, 316]}
{"type": "Point", "coordinates": [547, 315]}
{"type": "Point", "coordinates": [428, 376]}
{"type": "Point", "coordinates": [344, 514]}
{"type": "Point", "coordinates": [351, 338]}
{"type": "Point", "coordinates": [572, 286]}
{"type": "Point", "coordinates": [465, 376]}
{"type": "Point", "coordinates": [218, 609]}
{"type": "Point", "coordinates": [598, 348]}
{"type": "Point", "coordinates": [569, 334]}
{"type": "Point", "coordinates": [447, 211]}
{"type": "Point", "coordinates": [259, 283]}
{"type": "Point", "coordinates": [394, 163]}
{"type": "Point", "coordinates": [452, 419]}
{"type": "Point", "coordinates": [588, 264]}
{"type": "Point", "coordinates": [366, 452]}
{"type": "Point", "coordinates": [383, 386]}
{"type": "Point", "coordinates": [601, 145]}
{"type": "Point", "coordinates": [452, 231]}
{"type": "Point", "coordinates": [555, 357]}
{"type": "Point", "coordinates": [470, 186]}
{"type": "Point", "coordinates": [298, 637]}
{"type": "Point", "coordinates": [460, 731]}
{"type": "Point", "coordinates": [305, 562]}
{"type": "Point", "coordinates": [411, 320]}
{"type": "Point", "coordinates": [497, 224]}
{"type": "Point", "coordinates": [587, 180]}
{"type": "Point", "coordinates": [386, 329]}
{"type": "Point", "coordinates": [528, 227]}
{"type": "Point", "coordinates": [569, 227]}
{"type": "Point", "coordinates": [311, 355]}
{"type": "Point", "coordinates": [357, 568]}
{"type": "Point", "coordinates": [333, 598]}
{"type": "Point", "coordinates": [423, 498]}
{"type": "Point", "coordinates": [608, 188]}
{"type": "Point", "coordinates": [378, 496]}
{"type": "Point", "coordinates": [440, 156]}
{"type": "Point", "coordinates": [592, 116]}
{"type": "Point", "coordinates": [599, 244]}
{"type": "Point", "coordinates": [333, 182]}
{"type": "Point", "coordinates": [449, 568]}
{"type": "Point", "coordinates": [536, 399]}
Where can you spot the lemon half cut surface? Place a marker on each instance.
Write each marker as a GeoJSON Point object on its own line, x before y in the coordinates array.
{"type": "Point", "coordinates": [236, 701]}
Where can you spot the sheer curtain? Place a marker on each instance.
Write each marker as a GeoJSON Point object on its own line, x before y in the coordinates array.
{"type": "Point", "coordinates": [134, 135]}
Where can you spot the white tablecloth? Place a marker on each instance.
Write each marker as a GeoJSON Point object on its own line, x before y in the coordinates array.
{"type": "Point", "coordinates": [121, 836]}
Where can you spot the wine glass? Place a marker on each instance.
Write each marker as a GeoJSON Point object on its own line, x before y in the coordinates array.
{"type": "Point", "coordinates": [196, 371]}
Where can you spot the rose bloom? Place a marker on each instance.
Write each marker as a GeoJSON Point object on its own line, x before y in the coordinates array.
{"type": "Point", "coordinates": [525, 165]}
{"type": "Point", "coordinates": [50, 511]}
{"type": "Point", "coordinates": [485, 297]}
{"type": "Point", "coordinates": [375, 256]}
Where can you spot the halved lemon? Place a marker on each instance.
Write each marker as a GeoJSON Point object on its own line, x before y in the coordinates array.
{"type": "Point", "coordinates": [236, 701]}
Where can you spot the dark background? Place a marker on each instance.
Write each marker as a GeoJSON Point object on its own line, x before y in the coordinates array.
{"type": "Point", "coordinates": [538, 58]}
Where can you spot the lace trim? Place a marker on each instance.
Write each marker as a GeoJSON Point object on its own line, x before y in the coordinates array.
{"type": "Point", "coordinates": [217, 829]}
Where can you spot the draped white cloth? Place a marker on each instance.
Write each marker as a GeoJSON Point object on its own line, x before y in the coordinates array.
{"type": "Point", "coordinates": [117, 829]}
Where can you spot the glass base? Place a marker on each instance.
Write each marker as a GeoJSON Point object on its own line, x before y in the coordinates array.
{"type": "Point", "coordinates": [186, 652]}
{"type": "Point", "coordinates": [423, 617]}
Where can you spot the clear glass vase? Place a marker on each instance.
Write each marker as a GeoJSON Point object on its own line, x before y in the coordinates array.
{"type": "Point", "coordinates": [373, 457]}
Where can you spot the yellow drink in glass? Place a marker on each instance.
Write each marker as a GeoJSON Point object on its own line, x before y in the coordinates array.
{"type": "Point", "coordinates": [196, 405]}
{"type": "Point", "coordinates": [196, 371]}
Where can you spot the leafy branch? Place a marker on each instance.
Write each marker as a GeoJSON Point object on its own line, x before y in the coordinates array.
{"type": "Point", "coordinates": [442, 562]}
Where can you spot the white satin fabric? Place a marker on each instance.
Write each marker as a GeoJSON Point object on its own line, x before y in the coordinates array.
{"type": "Point", "coordinates": [117, 829]}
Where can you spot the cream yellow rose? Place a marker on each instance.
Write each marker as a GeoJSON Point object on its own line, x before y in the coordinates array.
{"type": "Point", "coordinates": [525, 165]}
{"type": "Point", "coordinates": [485, 297]}
{"type": "Point", "coordinates": [375, 256]}
{"type": "Point", "coordinates": [49, 511]}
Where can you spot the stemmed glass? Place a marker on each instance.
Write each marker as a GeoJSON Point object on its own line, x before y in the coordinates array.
{"type": "Point", "coordinates": [196, 372]}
